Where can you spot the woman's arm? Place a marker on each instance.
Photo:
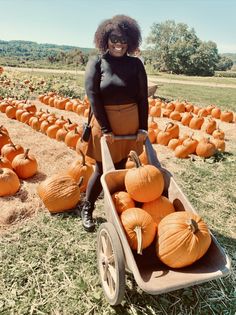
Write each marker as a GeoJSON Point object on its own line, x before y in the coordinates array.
{"type": "Point", "coordinates": [92, 88]}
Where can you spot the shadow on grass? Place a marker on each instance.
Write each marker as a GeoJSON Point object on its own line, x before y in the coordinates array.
{"type": "Point", "coordinates": [218, 157]}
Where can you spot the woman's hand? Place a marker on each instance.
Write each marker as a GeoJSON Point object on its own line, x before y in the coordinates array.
{"type": "Point", "coordinates": [109, 137]}
{"type": "Point", "coordinates": [141, 135]}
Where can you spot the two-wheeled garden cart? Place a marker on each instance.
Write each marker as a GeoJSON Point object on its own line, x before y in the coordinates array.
{"type": "Point", "coordinates": [115, 255]}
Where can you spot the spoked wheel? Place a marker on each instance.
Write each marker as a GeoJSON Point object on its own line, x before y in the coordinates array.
{"type": "Point", "coordinates": [111, 263]}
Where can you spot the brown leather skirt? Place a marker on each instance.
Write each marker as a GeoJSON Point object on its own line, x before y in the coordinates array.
{"type": "Point", "coordinates": [123, 120]}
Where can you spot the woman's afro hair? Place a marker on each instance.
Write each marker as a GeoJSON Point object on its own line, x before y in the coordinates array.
{"type": "Point", "coordinates": [122, 23]}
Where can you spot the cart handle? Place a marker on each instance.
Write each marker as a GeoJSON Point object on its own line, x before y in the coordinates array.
{"type": "Point", "coordinates": [108, 164]}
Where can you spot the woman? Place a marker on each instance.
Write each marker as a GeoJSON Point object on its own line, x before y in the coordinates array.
{"type": "Point", "coordinates": [116, 86]}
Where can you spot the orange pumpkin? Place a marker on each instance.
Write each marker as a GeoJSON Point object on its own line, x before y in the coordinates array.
{"type": "Point", "coordinates": [219, 144]}
{"type": "Point", "coordinates": [122, 201]}
{"type": "Point", "coordinates": [205, 148]}
{"type": "Point", "coordinates": [25, 165]}
{"type": "Point", "coordinates": [191, 144]}
{"type": "Point", "coordinates": [144, 182]}
{"type": "Point", "coordinates": [218, 134]}
{"type": "Point", "coordinates": [173, 143]}
{"type": "Point", "coordinates": [209, 126]}
{"type": "Point", "coordinates": [11, 150]}
{"type": "Point", "coordinates": [59, 193]}
{"type": "Point", "coordinates": [80, 168]}
{"type": "Point", "coordinates": [9, 182]}
{"type": "Point", "coordinates": [4, 138]}
{"type": "Point", "coordinates": [139, 227]}
{"type": "Point", "coordinates": [5, 163]}
{"type": "Point", "coordinates": [183, 238]}
{"type": "Point", "coordinates": [158, 208]}
{"type": "Point", "coordinates": [181, 151]}
{"type": "Point", "coordinates": [227, 116]}
{"type": "Point", "coordinates": [196, 122]}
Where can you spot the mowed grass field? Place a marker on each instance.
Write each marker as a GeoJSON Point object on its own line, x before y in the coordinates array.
{"type": "Point", "coordinates": [48, 263]}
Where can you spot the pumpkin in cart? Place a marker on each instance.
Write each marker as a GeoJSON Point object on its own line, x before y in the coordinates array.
{"type": "Point", "coordinates": [158, 208]}
{"type": "Point", "coordinates": [139, 227]}
{"type": "Point", "coordinates": [122, 201]}
{"type": "Point", "coordinates": [144, 183]}
{"type": "Point", "coordinates": [183, 238]}
{"type": "Point", "coordinates": [59, 193]}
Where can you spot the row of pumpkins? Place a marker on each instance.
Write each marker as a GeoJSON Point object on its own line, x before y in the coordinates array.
{"type": "Point", "coordinates": [48, 123]}
{"type": "Point", "coordinates": [185, 145]}
{"type": "Point", "coordinates": [185, 111]}
{"type": "Point", "coordinates": [77, 105]}
{"type": "Point", "coordinates": [15, 164]}
{"type": "Point", "coordinates": [182, 146]}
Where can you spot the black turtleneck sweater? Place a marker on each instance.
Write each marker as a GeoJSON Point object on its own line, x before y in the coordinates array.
{"type": "Point", "coordinates": [115, 81]}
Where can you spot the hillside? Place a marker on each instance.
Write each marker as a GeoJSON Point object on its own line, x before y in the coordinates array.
{"type": "Point", "coordinates": [27, 53]}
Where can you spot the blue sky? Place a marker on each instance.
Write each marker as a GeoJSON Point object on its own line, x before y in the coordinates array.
{"type": "Point", "coordinates": [73, 22]}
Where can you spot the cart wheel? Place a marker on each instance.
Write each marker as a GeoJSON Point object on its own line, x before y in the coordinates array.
{"type": "Point", "coordinates": [111, 263]}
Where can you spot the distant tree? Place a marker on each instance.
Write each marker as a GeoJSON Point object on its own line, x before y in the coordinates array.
{"type": "Point", "coordinates": [224, 63]}
{"type": "Point", "coordinates": [176, 48]}
{"type": "Point", "coordinates": [205, 59]}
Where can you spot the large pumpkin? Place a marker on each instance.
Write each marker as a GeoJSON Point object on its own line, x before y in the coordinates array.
{"type": "Point", "coordinates": [139, 227]}
{"type": "Point", "coordinates": [59, 193]}
{"type": "Point", "coordinates": [158, 208]}
{"type": "Point", "coordinates": [145, 182]}
{"type": "Point", "coordinates": [183, 238]}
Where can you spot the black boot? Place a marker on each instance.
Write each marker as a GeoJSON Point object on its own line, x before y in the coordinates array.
{"type": "Point", "coordinates": [86, 216]}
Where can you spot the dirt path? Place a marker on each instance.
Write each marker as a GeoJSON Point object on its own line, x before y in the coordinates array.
{"type": "Point", "coordinates": [152, 79]}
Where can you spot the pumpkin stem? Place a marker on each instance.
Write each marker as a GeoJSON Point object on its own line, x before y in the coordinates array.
{"type": "Point", "coordinates": [193, 225]}
{"type": "Point", "coordinates": [81, 181]}
{"type": "Point", "coordinates": [138, 232]}
{"type": "Point", "coordinates": [134, 157]}
{"type": "Point", "coordinates": [83, 157]}
{"type": "Point", "coordinates": [26, 154]}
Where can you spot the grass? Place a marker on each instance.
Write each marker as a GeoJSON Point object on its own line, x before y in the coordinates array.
{"type": "Point", "coordinates": [218, 78]}
{"type": "Point", "coordinates": [200, 95]}
{"type": "Point", "coordinates": [48, 263]}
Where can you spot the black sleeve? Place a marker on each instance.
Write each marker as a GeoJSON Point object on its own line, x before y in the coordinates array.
{"type": "Point", "coordinates": [142, 96]}
{"type": "Point", "coordinates": [92, 88]}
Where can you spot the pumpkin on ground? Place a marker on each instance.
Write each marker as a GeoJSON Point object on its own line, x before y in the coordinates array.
{"type": "Point", "coordinates": [11, 150]}
{"type": "Point", "coordinates": [80, 168]}
{"type": "Point", "coordinates": [183, 238]}
{"type": "Point", "coordinates": [25, 165]}
{"type": "Point", "coordinates": [59, 193]}
{"type": "Point", "coordinates": [5, 163]}
{"type": "Point", "coordinates": [144, 182]}
{"type": "Point", "coordinates": [139, 227]}
{"type": "Point", "coordinates": [9, 182]}
{"type": "Point", "coordinates": [122, 201]}
{"type": "Point", "coordinates": [205, 148]}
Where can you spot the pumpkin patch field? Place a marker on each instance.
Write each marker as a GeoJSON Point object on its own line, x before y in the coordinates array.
{"type": "Point", "coordinates": [48, 262]}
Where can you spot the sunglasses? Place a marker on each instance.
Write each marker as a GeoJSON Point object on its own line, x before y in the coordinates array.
{"type": "Point", "coordinates": [115, 39]}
